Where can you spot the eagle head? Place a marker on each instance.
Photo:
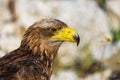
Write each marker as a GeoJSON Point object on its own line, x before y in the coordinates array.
{"type": "Point", "coordinates": [48, 34]}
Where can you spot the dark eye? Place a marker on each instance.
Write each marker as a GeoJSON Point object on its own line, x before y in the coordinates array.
{"type": "Point", "coordinates": [53, 29]}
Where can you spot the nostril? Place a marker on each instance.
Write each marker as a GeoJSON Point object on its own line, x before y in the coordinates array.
{"type": "Point", "coordinates": [68, 31]}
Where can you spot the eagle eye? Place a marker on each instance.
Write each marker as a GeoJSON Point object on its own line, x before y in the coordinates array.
{"type": "Point", "coordinates": [53, 29]}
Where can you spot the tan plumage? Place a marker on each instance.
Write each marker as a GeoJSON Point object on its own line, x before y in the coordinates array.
{"type": "Point", "coordinates": [33, 60]}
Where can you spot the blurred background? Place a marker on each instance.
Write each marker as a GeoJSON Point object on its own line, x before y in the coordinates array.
{"type": "Point", "coordinates": [97, 22]}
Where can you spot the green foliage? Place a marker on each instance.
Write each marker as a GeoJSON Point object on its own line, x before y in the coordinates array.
{"type": "Point", "coordinates": [116, 34]}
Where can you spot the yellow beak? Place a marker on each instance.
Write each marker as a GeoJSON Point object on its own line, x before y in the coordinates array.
{"type": "Point", "coordinates": [67, 34]}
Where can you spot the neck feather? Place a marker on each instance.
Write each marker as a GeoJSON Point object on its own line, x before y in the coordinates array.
{"type": "Point", "coordinates": [38, 46]}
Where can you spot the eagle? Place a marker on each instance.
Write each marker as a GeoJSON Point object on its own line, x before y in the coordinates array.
{"type": "Point", "coordinates": [34, 58]}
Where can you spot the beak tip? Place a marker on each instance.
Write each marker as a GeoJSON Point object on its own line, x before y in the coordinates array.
{"type": "Point", "coordinates": [78, 42]}
{"type": "Point", "coordinates": [77, 38]}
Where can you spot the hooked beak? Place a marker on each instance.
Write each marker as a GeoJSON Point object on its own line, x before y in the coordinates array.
{"type": "Point", "coordinates": [67, 34]}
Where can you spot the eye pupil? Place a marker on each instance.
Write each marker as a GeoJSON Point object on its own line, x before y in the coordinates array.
{"type": "Point", "coordinates": [53, 29]}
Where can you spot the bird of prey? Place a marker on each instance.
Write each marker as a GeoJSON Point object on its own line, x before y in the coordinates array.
{"type": "Point", "coordinates": [34, 59]}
